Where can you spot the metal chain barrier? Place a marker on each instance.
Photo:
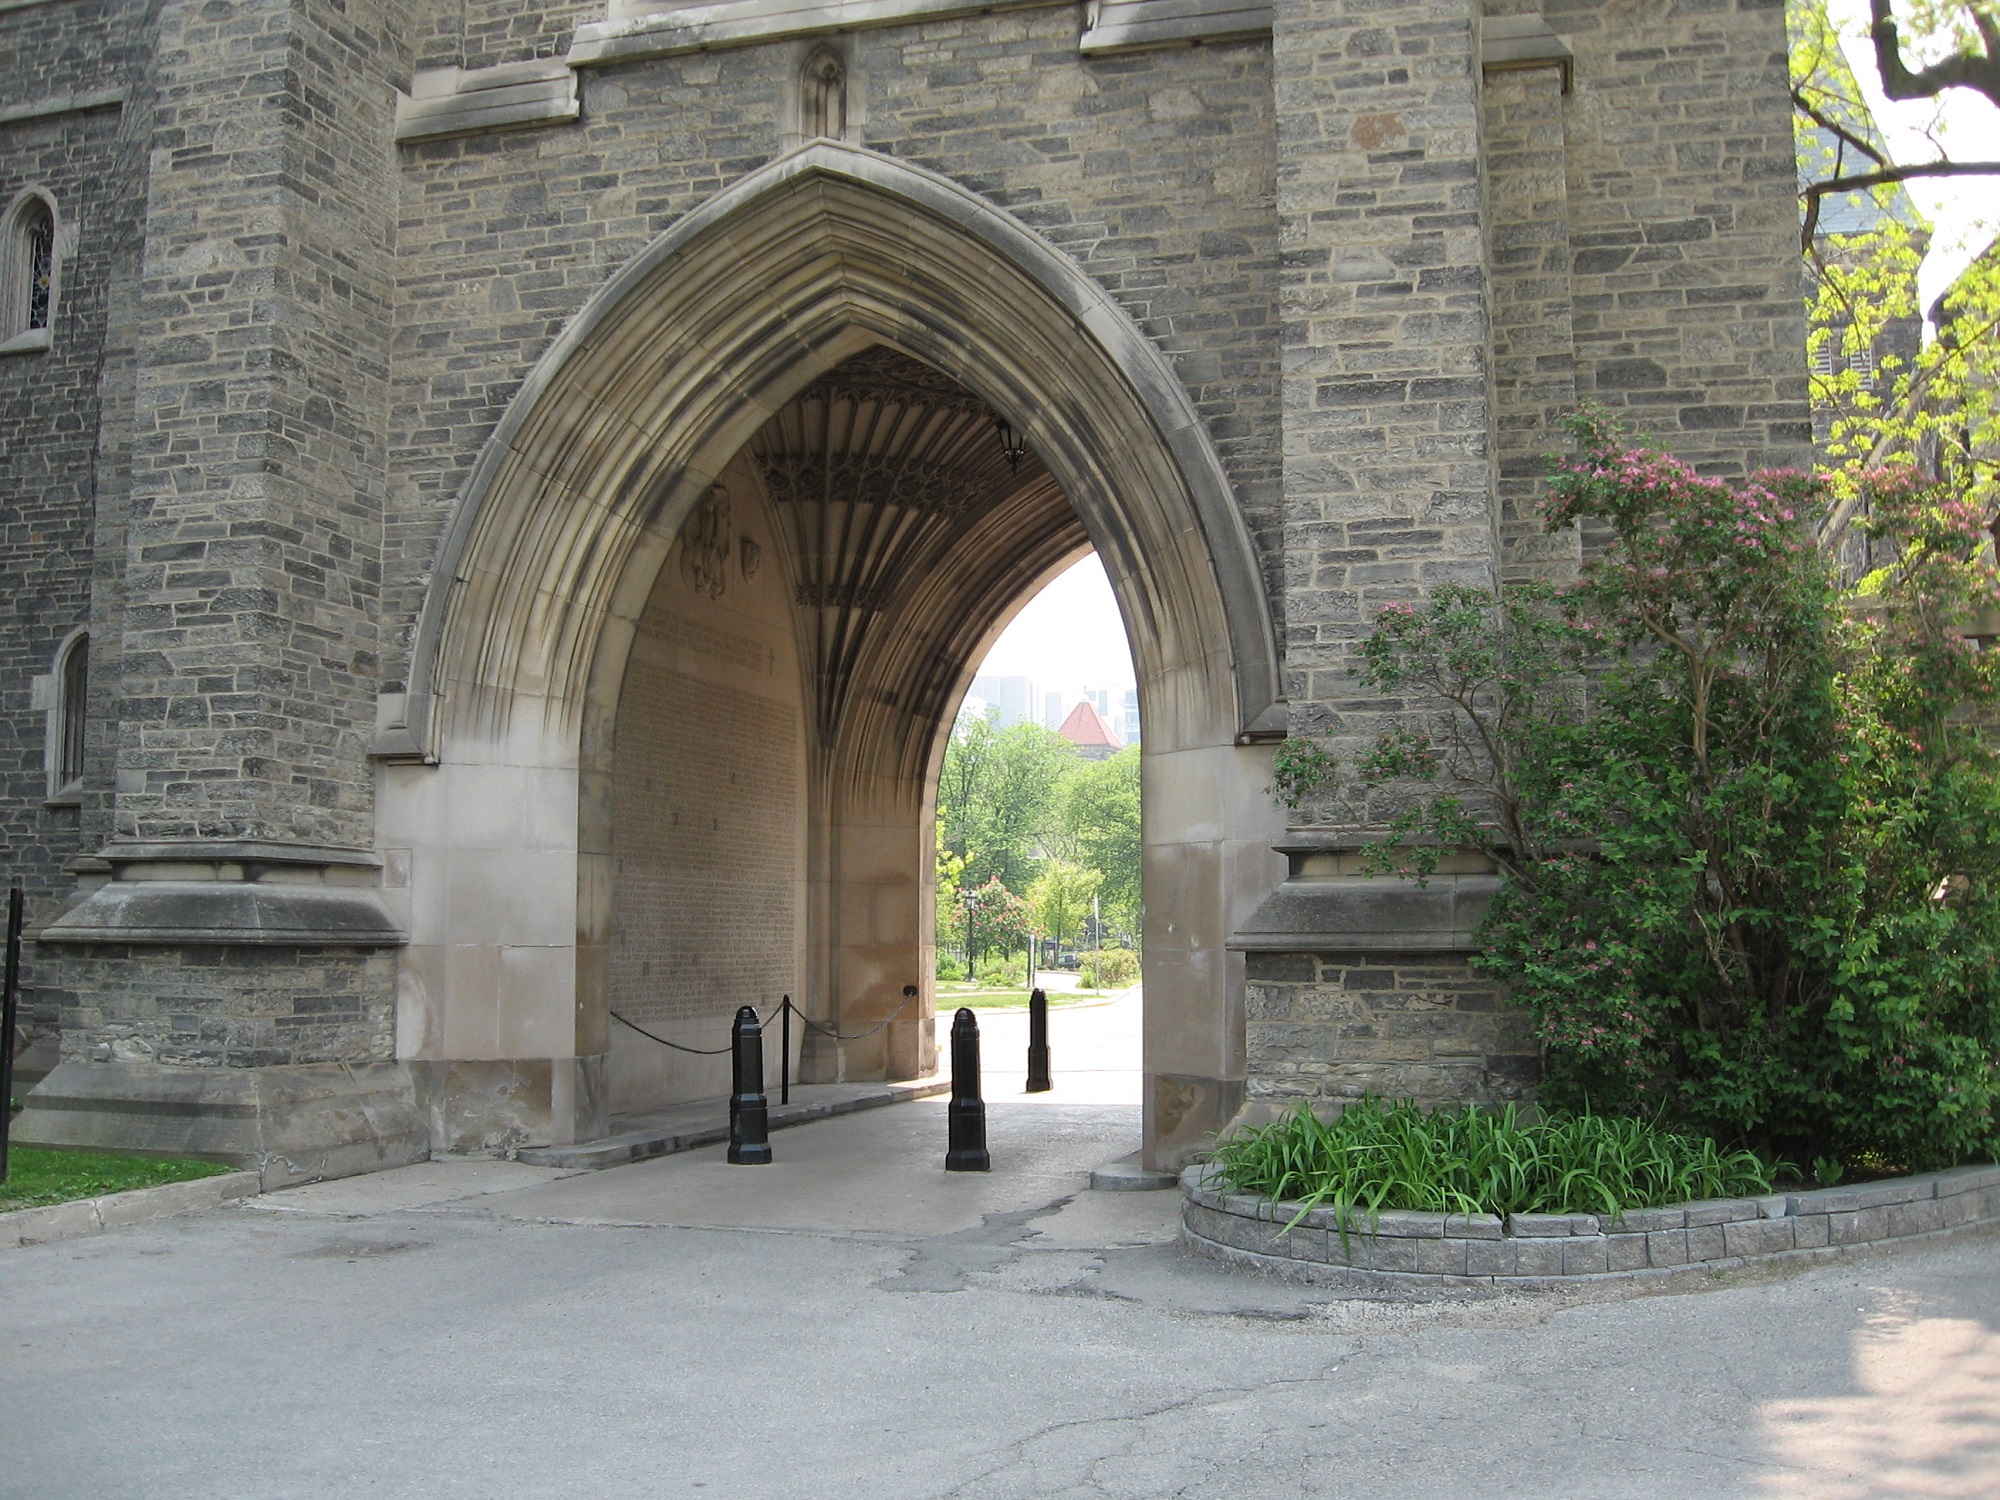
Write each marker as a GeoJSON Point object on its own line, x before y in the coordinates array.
{"type": "Point", "coordinates": [697, 1051]}
{"type": "Point", "coordinates": [909, 994]}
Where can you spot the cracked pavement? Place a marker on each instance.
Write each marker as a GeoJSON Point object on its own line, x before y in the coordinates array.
{"type": "Point", "coordinates": [854, 1321]}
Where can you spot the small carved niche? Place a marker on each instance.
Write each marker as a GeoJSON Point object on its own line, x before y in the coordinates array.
{"type": "Point", "coordinates": [823, 95]}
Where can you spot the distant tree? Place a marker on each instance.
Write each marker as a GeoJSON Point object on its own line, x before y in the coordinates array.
{"type": "Point", "coordinates": [1933, 411]}
{"type": "Point", "coordinates": [1061, 897]}
{"type": "Point", "coordinates": [999, 794]}
{"type": "Point", "coordinates": [1101, 831]}
{"type": "Point", "coordinates": [1002, 922]}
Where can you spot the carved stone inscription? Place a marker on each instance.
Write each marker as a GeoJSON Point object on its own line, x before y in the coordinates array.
{"type": "Point", "coordinates": [704, 850]}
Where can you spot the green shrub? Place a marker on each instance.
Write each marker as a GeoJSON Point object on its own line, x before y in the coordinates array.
{"type": "Point", "coordinates": [1109, 969]}
{"type": "Point", "coordinates": [1383, 1154]}
{"type": "Point", "coordinates": [1751, 830]}
{"type": "Point", "coordinates": [1003, 971]}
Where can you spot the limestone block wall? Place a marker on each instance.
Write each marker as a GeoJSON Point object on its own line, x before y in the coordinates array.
{"type": "Point", "coordinates": [708, 771]}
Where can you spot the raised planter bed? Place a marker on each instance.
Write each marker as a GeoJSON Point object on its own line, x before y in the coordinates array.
{"type": "Point", "coordinates": [1532, 1250]}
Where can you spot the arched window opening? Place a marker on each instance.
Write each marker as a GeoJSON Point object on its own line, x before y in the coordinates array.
{"type": "Point", "coordinates": [823, 93]}
{"type": "Point", "coordinates": [65, 694]}
{"type": "Point", "coordinates": [31, 268]}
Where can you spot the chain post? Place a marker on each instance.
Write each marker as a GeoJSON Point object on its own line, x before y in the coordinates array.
{"type": "Point", "coordinates": [1038, 1044]}
{"type": "Point", "coordinates": [966, 1123]}
{"type": "Point", "coordinates": [749, 1110]}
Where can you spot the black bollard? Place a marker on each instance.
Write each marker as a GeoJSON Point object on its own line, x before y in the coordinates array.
{"type": "Point", "coordinates": [966, 1143]}
{"type": "Point", "coordinates": [1038, 1044]}
{"type": "Point", "coordinates": [749, 1111]}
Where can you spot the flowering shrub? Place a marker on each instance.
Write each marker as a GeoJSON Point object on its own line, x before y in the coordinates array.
{"type": "Point", "coordinates": [1754, 870]}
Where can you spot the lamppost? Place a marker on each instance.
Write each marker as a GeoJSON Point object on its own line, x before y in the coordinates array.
{"type": "Point", "coordinates": [971, 961]}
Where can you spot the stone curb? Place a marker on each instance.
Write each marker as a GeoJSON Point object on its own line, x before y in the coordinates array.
{"type": "Point", "coordinates": [85, 1216]}
{"type": "Point", "coordinates": [644, 1145]}
{"type": "Point", "coordinates": [1682, 1242]}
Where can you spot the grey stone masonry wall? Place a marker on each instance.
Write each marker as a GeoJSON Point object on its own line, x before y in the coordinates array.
{"type": "Point", "coordinates": [1153, 171]}
{"type": "Point", "coordinates": [1534, 346]}
{"type": "Point", "coordinates": [1387, 408]}
{"type": "Point", "coordinates": [1688, 314]}
{"type": "Point", "coordinates": [1334, 1026]}
{"type": "Point", "coordinates": [1677, 1243]}
{"type": "Point", "coordinates": [252, 577]}
{"type": "Point", "coordinates": [66, 73]}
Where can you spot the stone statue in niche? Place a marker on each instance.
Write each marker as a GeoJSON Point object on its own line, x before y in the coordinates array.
{"type": "Point", "coordinates": [748, 556]}
{"type": "Point", "coordinates": [706, 544]}
{"type": "Point", "coordinates": [823, 95]}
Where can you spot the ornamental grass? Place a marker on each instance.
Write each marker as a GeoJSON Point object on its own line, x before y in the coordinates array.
{"type": "Point", "coordinates": [1391, 1154]}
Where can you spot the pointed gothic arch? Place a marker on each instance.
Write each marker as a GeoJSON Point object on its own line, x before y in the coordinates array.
{"type": "Point", "coordinates": [632, 418]}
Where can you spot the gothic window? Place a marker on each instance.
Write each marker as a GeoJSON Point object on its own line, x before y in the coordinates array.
{"type": "Point", "coordinates": [823, 95]}
{"type": "Point", "coordinates": [32, 271]}
{"type": "Point", "coordinates": [67, 696]}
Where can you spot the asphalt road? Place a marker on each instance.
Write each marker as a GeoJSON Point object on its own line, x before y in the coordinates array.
{"type": "Point", "coordinates": [852, 1320]}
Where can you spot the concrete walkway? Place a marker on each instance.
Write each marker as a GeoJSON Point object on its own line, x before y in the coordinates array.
{"type": "Point", "coordinates": [852, 1321]}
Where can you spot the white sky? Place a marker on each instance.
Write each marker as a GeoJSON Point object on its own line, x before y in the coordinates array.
{"type": "Point", "coordinates": [1071, 635]}
{"type": "Point", "coordinates": [1965, 210]}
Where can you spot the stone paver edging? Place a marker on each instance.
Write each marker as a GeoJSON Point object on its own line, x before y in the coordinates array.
{"type": "Point", "coordinates": [82, 1216]}
{"type": "Point", "coordinates": [1531, 1250]}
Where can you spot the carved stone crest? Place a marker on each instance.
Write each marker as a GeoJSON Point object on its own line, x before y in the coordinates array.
{"type": "Point", "coordinates": [706, 544]}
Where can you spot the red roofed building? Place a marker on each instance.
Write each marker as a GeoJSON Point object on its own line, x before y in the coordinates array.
{"type": "Point", "coordinates": [1085, 728]}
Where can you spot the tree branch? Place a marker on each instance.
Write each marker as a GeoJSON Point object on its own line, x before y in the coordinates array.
{"type": "Point", "coordinates": [1860, 181]}
{"type": "Point", "coordinates": [1961, 70]}
{"type": "Point", "coordinates": [1833, 127]}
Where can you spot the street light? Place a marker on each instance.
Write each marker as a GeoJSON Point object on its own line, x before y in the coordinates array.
{"type": "Point", "coordinates": [1011, 445]}
{"type": "Point", "coordinates": [971, 902]}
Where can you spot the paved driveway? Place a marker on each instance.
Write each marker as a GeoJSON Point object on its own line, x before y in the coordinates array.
{"type": "Point", "coordinates": [853, 1321]}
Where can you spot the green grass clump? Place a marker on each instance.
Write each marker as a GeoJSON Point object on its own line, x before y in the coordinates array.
{"type": "Point", "coordinates": [36, 1178]}
{"type": "Point", "coordinates": [1390, 1154]}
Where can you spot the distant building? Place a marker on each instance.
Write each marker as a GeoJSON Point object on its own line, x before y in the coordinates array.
{"type": "Point", "coordinates": [1128, 719]}
{"type": "Point", "coordinates": [1085, 728]}
{"type": "Point", "coordinates": [1011, 700]}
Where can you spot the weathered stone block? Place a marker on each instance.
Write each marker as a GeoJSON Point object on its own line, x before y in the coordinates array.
{"type": "Point", "coordinates": [1667, 1247]}
{"type": "Point", "coordinates": [1442, 1257]}
{"type": "Point", "coordinates": [1919, 1216]}
{"type": "Point", "coordinates": [1809, 1231]}
{"type": "Point", "coordinates": [1757, 1236]}
{"type": "Point", "coordinates": [1626, 1252]}
{"type": "Point", "coordinates": [1721, 1211]}
{"type": "Point", "coordinates": [1490, 1258]}
{"type": "Point", "coordinates": [1705, 1242]}
{"type": "Point", "coordinates": [1586, 1255]}
{"type": "Point", "coordinates": [1550, 1226]}
{"type": "Point", "coordinates": [1538, 1257]}
{"type": "Point", "coordinates": [1474, 1226]}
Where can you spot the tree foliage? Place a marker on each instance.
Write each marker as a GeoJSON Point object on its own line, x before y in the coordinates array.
{"type": "Point", "coordinates": [1015, 805]}
{"type": "Point", "coordinates": [1754, 875]}
{"type": "Point", "coordinates": [1061, 898]}
{"type": "Point", "coordinates": [1934, 407]}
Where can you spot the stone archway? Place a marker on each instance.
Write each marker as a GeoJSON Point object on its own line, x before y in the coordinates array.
{"type": "Point", "coordinates": [577, 501]}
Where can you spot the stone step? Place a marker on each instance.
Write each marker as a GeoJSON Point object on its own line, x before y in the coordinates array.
{"type": "Point", "coordinates": [705, 1122]}
{"type": "Point", "coordinates": [1128, 1175]}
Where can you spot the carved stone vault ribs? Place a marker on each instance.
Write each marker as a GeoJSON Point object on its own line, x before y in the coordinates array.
{"type": "Point", "coordinates": [878, 469]}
